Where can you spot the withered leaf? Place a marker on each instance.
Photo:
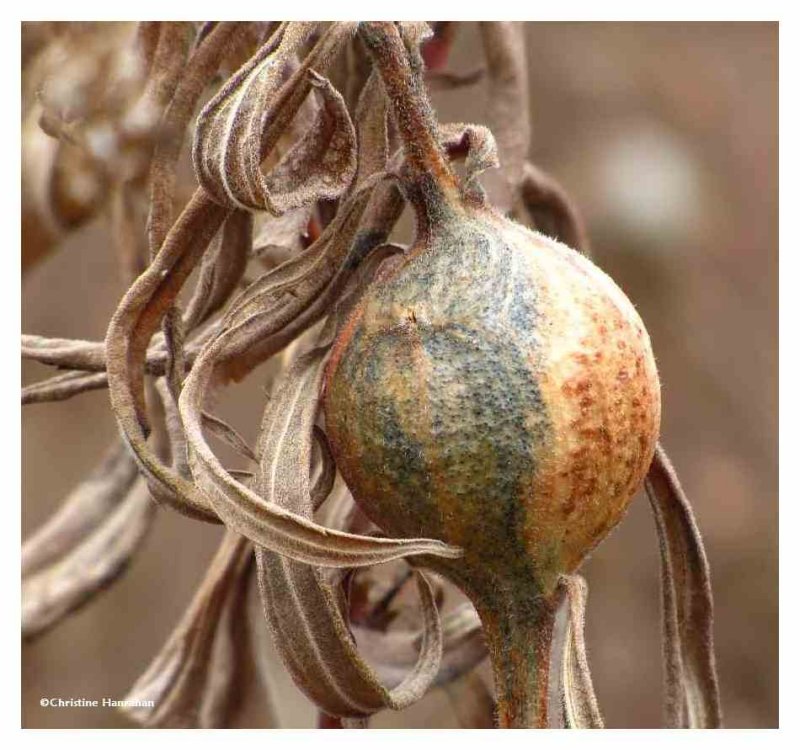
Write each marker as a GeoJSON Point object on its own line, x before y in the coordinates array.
{"type": "Point", "coordinates": [577, 692]}
{"type": "Point", "coordinates": [321, 655]}
{"type": "Point", "coordinates": [222, 269]}
{"type": "Point", "coordinates": [229, 138]}
{"type": "Point", "coordinates": [195, 76]}
{"type": "Point", "coordinates": [62, 387]}
{"type": "Point", "coordinates": [82, 510]}
{"type": "Point", "coordinates": [192, 679]}
{"type": "Point", "coordinates": [478, 146]}
{"type": "Point", "coordinates": [690, 676]}
{"type": "Point", "coordinates": [551, 210]}
{"type": "Point", "coordinates": [393, 653]}
{"type": "Point", "coordinates": [94, 562]}
{"type": "Point", "coordinates": [472, 701]}
{"type": "Point", "coordinates": [508, 110]}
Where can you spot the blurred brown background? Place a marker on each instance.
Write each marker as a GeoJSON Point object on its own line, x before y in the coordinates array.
{"type": "Point", "coordinates": [666, 137]}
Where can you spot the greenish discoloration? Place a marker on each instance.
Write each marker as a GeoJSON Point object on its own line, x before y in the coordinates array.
{"type": "Point", "coordinates": [438, 404]}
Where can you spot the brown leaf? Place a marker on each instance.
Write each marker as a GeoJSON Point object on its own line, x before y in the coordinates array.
{"type": "Point", "coordinates": [474, 142]}
{"type": "Point", "coordinates": [472, 701]}
{"type": "Point", "coordinates": [265, 520]}
{"type": "Point", "coordinates": [82, 510]}
{"type": "Point", "coordinates": [577, 692]}
{"type": "Point", "coordinates": [193, 678]}
{"type": "Point", "coordinates": [131, 328]}
{"type": "Point", "coordinates": [551, 210]}
{"type": "Point", "coordinates": [52, 592]}
{"type": "Point", "coordinates": [153, 294]}
{"type": "Point", "coordinates": [691, 689]}
{"type": "Point", "coordinates": [371, 120]}
{"type": "Point", "coordinates": [393, 653]}
{"type": "Point", "coordinates": [320, 654]}
{"type": "Point", "coordinates": [193, 79]}
{"type": "Point", "coordinates": [62, 387]}
{"type": "Point", "coordinates": [508, 110]}
{"type": "Point", "coordinates": [229, 137]}
{"type": "Point", "coordinates": [221, 269]}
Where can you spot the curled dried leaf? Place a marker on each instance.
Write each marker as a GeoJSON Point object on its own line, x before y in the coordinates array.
{"type": "Point", "coordinates": [229, 138]}
{"type": "Point", "coordinates": [577, 692]}
{"type": "Point", "coordinates": [304, 615]}
{"type": "Point", "coordinates": [690, 676]}
{"type": "Point", "coordinates": [192, 680]}
{"type": "Point", "coordinates": [63, 387]}
{"type": "Point", "coordinates": [130, 330]}
{"type": "Point", "coordinates": [321, 655]}
{"type": "Point", "coordinates": [477, 144]}
{"type": "Point", "coordinates": [82, 510]}
{"type": "Point", "coordinates": [99, 558]}
{"type": "Point", "coordinates": [221, 269]}
{"type": "Point", "coordinates": [551, 210]}
{"type": "Point", "coordinates": [185, 94]}
{"type": "Point", "coordinates": [508, 111]}
{"type": "Point", "coordinates": [472, 701]}
{"type": "Point", "coordinates": [393, 653]}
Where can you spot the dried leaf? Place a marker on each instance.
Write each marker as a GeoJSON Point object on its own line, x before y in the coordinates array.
{"type": "Point", "coordinates": [691, 689]}
{"type": "Point", "coordinates": [477, 144]}
{"type": "Point", "coordinates": [472, 701]}
{"type": "Point", "coordinates": [551, 210]}
{"type": "Point", "coordinates": [174, 429]}
{"type": "Point", "coordinates": [221, 270]}
{"type": "Point", "coordinates": [130, 330]}
{"type": "Point", "coordinates": [62, 387]}
{"type": "Point", "coordinates": [508, 110]}
{"type": "Point", "coordinates": [313, 638]}
{"type": "Point", "coordinates": [72, 353]}
{"type": "Point", "coordinates": [448, 80]}
{"type": "Point", "coordinates": [82, 510]}
{"type": "Point", "coordinates": [193, 677]}
{"type": "Point", "coordinates": [321, 654]}
{"type": "Point", "coordinates": [94, 563]}
{"type": "Point", "coordinates": [153, 294]}
{"type": "Point", "coordinates": [229, 138]}
{"type": "Point", "coordinates": [224, 431]}
{"type": "Point", "coordinates": [194, 77]}
{"type": "Point", "coordinates": [371, 119]}
{"type": "Point", "coordinates": [577, 692]}
{"type": "Point", "coordinates": [326, 474]}
{"type": "Point", "coordinates": [393, 653]}
{"type": "Point", "coordinates": [89, 356]}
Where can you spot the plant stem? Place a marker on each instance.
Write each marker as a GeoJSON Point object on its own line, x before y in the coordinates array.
{"type": "Point", "coordinates": [519, 637]}
{"type": "Point", "coordinates": [401, 71]}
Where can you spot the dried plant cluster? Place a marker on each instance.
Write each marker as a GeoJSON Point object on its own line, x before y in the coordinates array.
{"type": "Point", "coordinates": [480, 405]}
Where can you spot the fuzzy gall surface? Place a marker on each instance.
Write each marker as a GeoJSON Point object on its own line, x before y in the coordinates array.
{"type": "Point", "coordinates": [497, 391]}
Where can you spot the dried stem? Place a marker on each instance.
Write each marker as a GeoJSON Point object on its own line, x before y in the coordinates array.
{"type": "Point", "coordinates": [519, 637]}
{"type": "Point", "coordinates": [401, 71]}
